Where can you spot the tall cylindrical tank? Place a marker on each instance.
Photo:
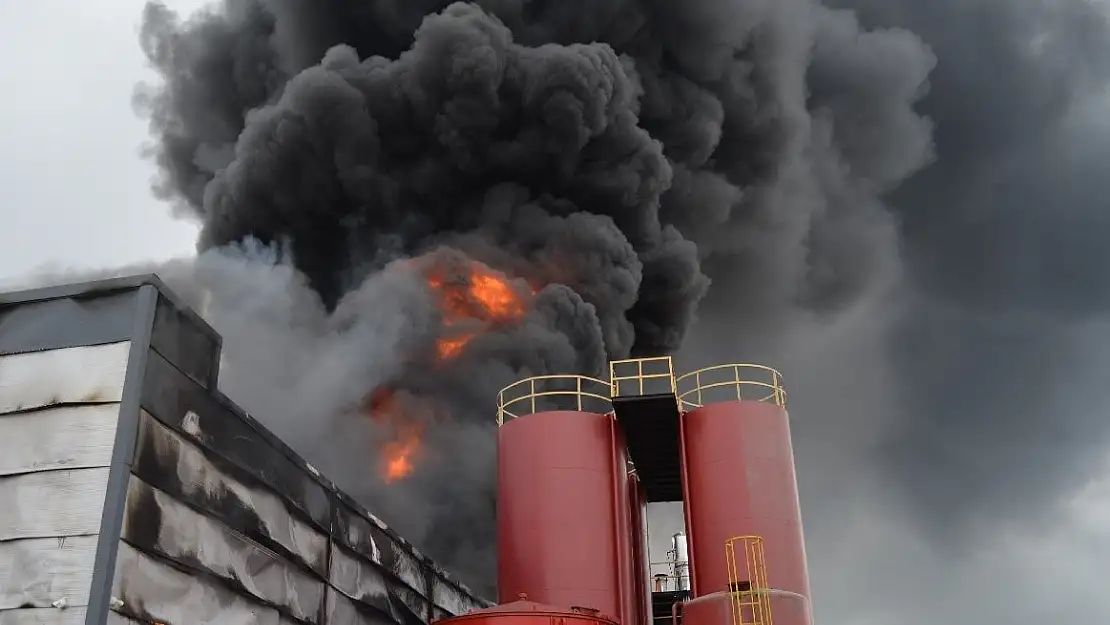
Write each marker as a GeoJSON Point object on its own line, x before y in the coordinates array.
{"type": "Point", "coordinates": [681, 552]}
{"type": "Point", "coordinates": [740, 480]}
{"type": "Point", "coordinates": [563, 512]}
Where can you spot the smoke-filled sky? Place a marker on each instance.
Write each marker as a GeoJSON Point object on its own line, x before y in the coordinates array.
{"type": "Point", "coordinates": [898, 203]}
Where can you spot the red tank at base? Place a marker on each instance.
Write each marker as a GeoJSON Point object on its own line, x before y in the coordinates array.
{"type": "Point", "coordinates": [524, 612]}
{"type": "Point", "coordinates": [740, 481]}
{"type": "Point", "coordinates": [563, 513]}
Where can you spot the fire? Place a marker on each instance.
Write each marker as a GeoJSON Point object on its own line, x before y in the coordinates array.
{"type": "Point", "coordinates": [496, 296]}
{"type": "Point", "coordinates": [399, 454]}
{"type": "Point", "coordinates": [474, 300]}
{"type": "Point", "coordinates": [449, 347]}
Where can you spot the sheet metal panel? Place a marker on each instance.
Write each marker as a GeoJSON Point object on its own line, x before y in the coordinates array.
{"type": "Point", "coordinates": [67, 322]}
{"type": "Point", "coordinates": [37, 572]}
{"type": "Point", "coordinates": [43, 616]}
{"type": "Point", "coordinates": [193, 348]}
{"type": "Point", "coordinates": [359, 580]}
{"type": "Point", "coordinates": [179, 402]}
{"type": "Point", "coordinates": [82, 375]}
{"type": "Point", "coordinates": [67, 437]}
{"type": "Point", "coordinates": [52, 504]}
{"type": "Point", "coordinates": [182, 469]}
{"type": "Point", "coordinates": [152, 591]}
{"type": "Point", "coordinates": [341, 610]}
{"type": "Point", "coordinates": [157, 523]}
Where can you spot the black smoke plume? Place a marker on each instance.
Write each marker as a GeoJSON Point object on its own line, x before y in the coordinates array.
{"type": "Point", "coordinates": [617, 156]}
{"type": "Point", "coordinates": [906, 189]}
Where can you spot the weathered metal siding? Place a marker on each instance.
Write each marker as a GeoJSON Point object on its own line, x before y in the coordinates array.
{"type": "Point", "coordinates": [209, 518]}
{"type": "Point", "coordinates": [59, 410]}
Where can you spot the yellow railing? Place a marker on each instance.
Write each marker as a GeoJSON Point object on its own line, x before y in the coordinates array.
{"type": "Point", "coordinates": [735, 382]}
{"type": "Point", "coordinates": [638, 376]}
{"type": "Point", "coordinates": [553, 392]}
{"type": "Point", "coordinates": [748, 594]}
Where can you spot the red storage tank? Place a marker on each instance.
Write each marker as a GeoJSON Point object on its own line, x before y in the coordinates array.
{"type": "Point", "coordinates": [524, 612]}
{"type": "Point", "coordinates": [563, 513]}
{"type": "Point", "coordinates": [740, 480]}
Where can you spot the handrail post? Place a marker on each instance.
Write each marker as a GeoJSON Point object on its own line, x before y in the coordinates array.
{"type": "Point", "coordinates": [736, 376]}
{"type": "Point", "coordinates": [697, 380]}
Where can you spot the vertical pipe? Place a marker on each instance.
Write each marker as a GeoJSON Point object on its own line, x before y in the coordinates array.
{"type": "Point", "coordinates": [687, 521]}
{"type": "Point", "coordinates": [622, 591]}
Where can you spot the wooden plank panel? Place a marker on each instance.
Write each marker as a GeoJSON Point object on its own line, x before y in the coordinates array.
{"type": "Point", "coordinates": [115, 618]}
{"type": "Point", "coordinates": [169, 462]}
{"type": "Point", "coordinates": [153, 591]}
{"type": "Point", "coordinates": [85, 375]}
{"type": "Point", "coordinates": [342, 611]}
{"type": "Point", "coordinates": [52, 503]}
{"type": "Point", "coordinates": [39, 571]}
{"type": "Point", "coordinates": [65, 437]}
{"type": "Point", "coordinates": [156, 522]}
{"type": "Point", "coordinates": [43, 616]}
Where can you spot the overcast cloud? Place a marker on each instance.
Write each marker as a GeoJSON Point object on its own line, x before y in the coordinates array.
{"type": "Point", "coordinates": [77, 195]}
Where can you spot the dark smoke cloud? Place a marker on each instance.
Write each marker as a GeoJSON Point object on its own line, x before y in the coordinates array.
{"type": "Point", "coordinates": [619, 156]}
{"type": "Point", "coordinates": [966, 403]}
{"type": "Point", "coordinates": [1004, 244]}
{"type": "Point", "coordinates": [900, 202]}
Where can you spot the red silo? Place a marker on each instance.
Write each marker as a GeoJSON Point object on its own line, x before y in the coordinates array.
{"type": "Point", "coordinates": [563, 505]}
{"type": "Point", "coordinates": [740, 480]}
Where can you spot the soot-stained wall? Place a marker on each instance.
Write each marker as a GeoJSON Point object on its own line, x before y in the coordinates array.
{"type": "Point", "coordinates": [200, 514]}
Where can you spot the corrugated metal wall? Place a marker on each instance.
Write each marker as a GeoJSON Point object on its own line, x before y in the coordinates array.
{"type": "Point", "coordinates": [58, 415]}
{"type": "Point", "coordinates": [208, 518]}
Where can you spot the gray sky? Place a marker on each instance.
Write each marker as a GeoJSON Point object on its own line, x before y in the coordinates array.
{"type": "Point", "coordinates": [76, 195]}
{"type": "Point", "coordinates": [76, 191]}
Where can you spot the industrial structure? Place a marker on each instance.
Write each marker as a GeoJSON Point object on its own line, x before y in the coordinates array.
{"type": "Point", "coordinates": [133, 491]}
{"type": "Point", "coordinates": [580, 458]}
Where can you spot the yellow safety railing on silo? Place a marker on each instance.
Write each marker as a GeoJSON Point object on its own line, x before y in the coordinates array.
{"type": "Point", "coordinates": [748, 592]}
{"type": "Point", "coordinates": [732, 382]}
{"type": "Point", "coordinates": [635, 376]}
{"type": "Point", "coordinates": [553, 392]}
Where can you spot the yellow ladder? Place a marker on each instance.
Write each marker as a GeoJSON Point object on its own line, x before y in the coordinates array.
{"type": "Point", "coordinates": [748, 593]}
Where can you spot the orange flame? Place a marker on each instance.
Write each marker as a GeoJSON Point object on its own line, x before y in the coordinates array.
{"type": "Point", "coordinates": [449, 347]}
{"type": "Point", "coordinates": [480, 295]}
{"type": "Point", "coordinates": [398, 455]}
{"type": "Point", "coordinates": [470, 301]}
